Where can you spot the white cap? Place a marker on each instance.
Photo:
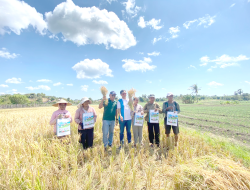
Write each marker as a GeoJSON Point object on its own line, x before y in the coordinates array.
{"type": "Point", "coordinates": [170, 94]}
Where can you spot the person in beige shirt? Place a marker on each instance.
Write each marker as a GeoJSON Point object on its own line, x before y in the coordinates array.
{"type": "Point", "coordinates": [153, 128]}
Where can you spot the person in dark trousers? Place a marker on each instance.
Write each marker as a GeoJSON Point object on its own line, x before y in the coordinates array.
{"type": "Point", "coordinates": [87, 135]}
{"type": "Point", "coordinates": [153, 128]}
{"type": "Point", "coordinates": [172, 106]}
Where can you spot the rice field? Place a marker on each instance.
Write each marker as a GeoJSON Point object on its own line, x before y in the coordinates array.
{"type": "Point", "coordinates": [31, 157]}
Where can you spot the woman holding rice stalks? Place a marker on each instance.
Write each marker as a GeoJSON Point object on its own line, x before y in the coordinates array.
{"type": "Point", "coordinates": [87, 133]}
{"type": "Point", "coordinates": [124, 112]}
{"type": "Point", "coordinates": [137, 130]}
{"type": "Point", "coordinates": [60, 113]}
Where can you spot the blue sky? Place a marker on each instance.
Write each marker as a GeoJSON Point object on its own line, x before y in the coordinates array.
{"type": "Point", "coordinates": [72, 48]}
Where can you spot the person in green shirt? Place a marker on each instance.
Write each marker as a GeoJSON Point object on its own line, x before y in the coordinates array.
{"type": "Point", "coordinates": [109, 117]}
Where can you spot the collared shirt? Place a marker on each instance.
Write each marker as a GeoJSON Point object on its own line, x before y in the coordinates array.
{"type": "Point", "coordinates": [125, 109]}
{"type": "Point", "coordinates": [80, 111]}
{"type": "Point", "coordinates": [150, 106]}
{"type": "Point", "coordinates": [167, 104]}
{"type": "Point", "coordinates": [109, 110]}
{"type": "Point", "coordinates": [63, 113]}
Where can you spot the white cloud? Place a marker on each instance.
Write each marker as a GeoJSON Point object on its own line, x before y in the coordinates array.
{"type": "Point", "coordinates": [215, 84]}
{"type": "Point", "coordinates": [110, 1]}
{"type": "Point", "coordinates": [84, 88]}
{"type": "Point", "coordinates": [223, 61]}
{"type": "Point", "coordinates": [153, 23]}
{"type": "Point", "coordinates": [232, 5]}
{"type": "Point", "coordinates": [43, 87]}
{"type": "Point", "coordinates": [100, 82]}
{"type": "Point", "coordinates": [14, 80]}
{"type": "Point", "coordinates": [207, 21]}
{"type": "Point", "coordinates": [247, 81]}
{"type": "Point", "coordinates": [44, 80]}
{"type": "Point", "coordinates": [89, 25]}
{"type": "Point", "coordinates": [5, 54]}
{"type": "Point", "coordinates": [141, 53]}
{"type": "Point", "coordinates": [4, 85]}
{"type": "Point", "coordinates": [92, 69]}
{"type": "Point", "coordinates": [203, 64]}
{"type": "Point", "coordinates": [157, 39]}
{"type": "Point", "coordinates": [191, 66]}
{"type": "Point", "coordinates": [141, 65]}
{"type": "Point", "coordinates": [17, 15]}
{"type": "Point", "coordinates": [188, 23]}
{"type": "Point", "coordinates": [57, 84]}
{"type": "Point", "coordinates": [2, 93]}
{"type": "Point", "coordinates": [131, 8]}
{"type": "Point", "coordinates": [69, 84]}
{"type": "Point", "coordinates": [154, 53]}
{"type": "Point", "coordinates": [173, 31]}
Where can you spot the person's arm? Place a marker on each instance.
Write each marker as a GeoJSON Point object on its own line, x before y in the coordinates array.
{"type": "Point", "coordinates": [77, 117]}
{"type": "Point", "coordinates": [159, 108]}
{"type": "Point", "coordinates": [119, 110]}
{"type": "Point", "coordinates": [101, 103]}
{"type": "Point", "coordinates": [116, 116]}
{"type": "Point", "coordinates": [178, 108]}
{"type": "Point", "coordinates": [68, 115]}
{"type": "Point", "coordinates": [163, 107]}
{"type": "Point", "coordinates": [53, 119]}
{"type": "Point", "coordinates": [145, 110]}
{"type": "Point", "coordinates": [94, 113]}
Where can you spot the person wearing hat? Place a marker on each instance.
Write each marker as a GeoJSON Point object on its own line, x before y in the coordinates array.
{"type": "Point", "coordinates": [87, 135]}
{"type": "Point", "coordinates": [172, 106]}
{"type": "Point", "coordinates": [109, 117]}
{"type": "Point", "coordinates": [124, 112]}
{"type": "Point", "coordinates": [60, 113]}
{"type": "Point", "coordinates": [153, 128]}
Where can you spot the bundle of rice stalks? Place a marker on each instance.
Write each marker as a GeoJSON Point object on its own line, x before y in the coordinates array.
{"type": "Point", "coordinates": [131, 94]}
{"type": "Point", "coordinates": [104, 92]}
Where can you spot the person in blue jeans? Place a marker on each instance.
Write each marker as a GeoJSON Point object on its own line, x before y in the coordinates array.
{"type": "Point", "coordinates": [124, 112]}
{"type": "Point", "coordinates": [109, 116]}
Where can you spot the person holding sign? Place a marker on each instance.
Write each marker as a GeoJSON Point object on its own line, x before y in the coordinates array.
{"type": "Point", "coordinates": [85, 117]}
{"type": "Point", "coordinates": [109, 117]}
{"type": "Point", "coordinates": [61, 119]}
{"type": "Point", "coordinates": [137, 121]}
{"type": "Point", "coordinates": [152, 110]}
{"type": "Point", "coordinates": [124, 112]}
{"type": "Point", "coordinates": [171, 109]}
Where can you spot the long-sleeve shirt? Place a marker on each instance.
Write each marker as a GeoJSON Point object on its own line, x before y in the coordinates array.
{"type": "Point", "coordinates": [56, 113]}
{"type": "Point", "coordinates": [137, 108]}
{"type": "Point", "coordinates": [175, 105]}
{"type": "Point", "coordinates": [150, 106]}
{"type": "Point", "coordinates": [80, 111]}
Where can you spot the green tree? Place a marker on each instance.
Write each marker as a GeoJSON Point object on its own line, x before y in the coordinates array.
{"type": "Point", "coordinates": [18, 99]}
{"type": "Point", "coordinates": [195, 90]}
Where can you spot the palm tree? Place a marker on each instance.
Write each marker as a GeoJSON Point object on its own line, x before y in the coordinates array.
{"type": "Point", "coordinates": [195, 90]}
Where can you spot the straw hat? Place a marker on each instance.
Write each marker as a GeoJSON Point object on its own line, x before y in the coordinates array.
{"type": "Point", "coordinates": [85, 99]}
{"type": "Point", "coordinates": [62, 101]}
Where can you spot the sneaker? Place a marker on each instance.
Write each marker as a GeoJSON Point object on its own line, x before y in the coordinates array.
{"type": "Point", "coordinates": [110, 145]}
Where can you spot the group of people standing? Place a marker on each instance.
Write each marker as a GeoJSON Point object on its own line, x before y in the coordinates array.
{"type": "Point", "coordinates": [119, 111]}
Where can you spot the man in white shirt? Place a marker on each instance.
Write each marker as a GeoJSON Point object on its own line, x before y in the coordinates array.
{"type": "Point", "coordinates": [124, 113]}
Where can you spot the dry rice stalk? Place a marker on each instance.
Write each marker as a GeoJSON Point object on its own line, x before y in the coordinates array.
{"type": "Point", "coordinates": [131, 93]}
{"type": "Point", "coordinates": [104, 92]}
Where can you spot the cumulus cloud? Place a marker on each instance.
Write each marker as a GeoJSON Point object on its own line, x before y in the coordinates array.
{"type": "Point", "coordinates": [154, 53]}
{"type": "Point", "coordinates": [232, 5]}
{"type": "Point", "coordinates": [141, 65]}
{"type": "Point", "coordinates": [157, 39]}
{"type": "Point", "coordinates": [14, 80]}
{"type": "Point", "coordinates": [43, 87]}
{"type": "Point", "coordinates": [5, 54]}
{"type": "Point", "coordinates": [153, 23]}
{"type": "Point", "coordinates": [110, 1]}
{"type": "Point", "coordinates": [191, 66]}
{"type": "Point", "coordinates": [4, 85]}
{"type": "Point", "coordinates": [173, 31]}
{"type": "Point", "coordinates": [206, 21]}
{"type": "Point", "coordinates": [89, 25]}
{"type": "Point", "coordinates": [69, 84]}
{"type": "Point", "coordinates": [57, 84]}
{"type": "Point", "coordinates": [215, 84]}
{"type": "Point", "coordinates": [91, 69]}
{"type": "Point", "coordinates": [100, 82]}
{"type": "Point", "coordinates": [84, 88]}
{"type": "Point", "coordinates": [17, 15]}
{"type": "Point", "coordinates": [44, 80]}
{"type": "Point", "coordinates": [131, 8]}
{"type": "Point", "coordinates": [223, 61]}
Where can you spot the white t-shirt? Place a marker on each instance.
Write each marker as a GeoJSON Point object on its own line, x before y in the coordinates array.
{"type": "Point", "coordinates": [127, 111]}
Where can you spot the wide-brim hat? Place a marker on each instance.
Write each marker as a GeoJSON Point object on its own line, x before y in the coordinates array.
{"type": "Point", "coordinates": [85, 99]}
{"type": "Point", "coordinates": [62, 101]}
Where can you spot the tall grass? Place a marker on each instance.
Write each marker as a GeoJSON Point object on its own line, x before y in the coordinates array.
{"type": "Point", "coordinates": [32, 158]}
